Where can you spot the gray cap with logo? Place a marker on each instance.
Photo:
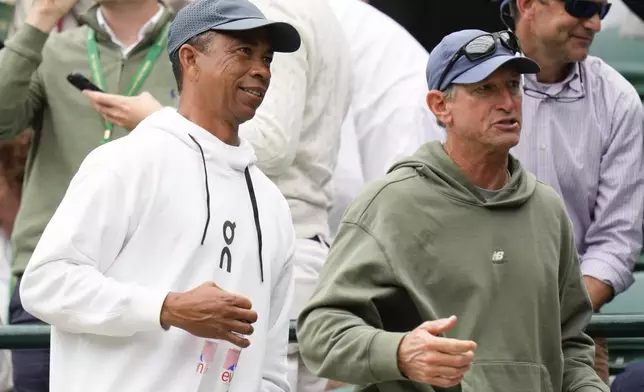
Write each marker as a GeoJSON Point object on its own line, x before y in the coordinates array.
{"type": "Point", "coordinates": [200, 16]}
{"type": "Point", "coordinates": [466, 71]}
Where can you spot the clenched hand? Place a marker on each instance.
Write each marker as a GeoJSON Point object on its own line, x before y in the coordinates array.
{"type": "Point", "coordinates": [426, 358]}
{"type": "Point", "coordinates": [210, 312]}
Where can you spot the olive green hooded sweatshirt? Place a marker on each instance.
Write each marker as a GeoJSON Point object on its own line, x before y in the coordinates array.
{"type": "Point", "coordinates": [424, 244]}
{"type": "Point", "coordinates": [34, 92]}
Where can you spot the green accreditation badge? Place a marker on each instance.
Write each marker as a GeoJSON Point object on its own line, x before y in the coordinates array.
{"type": "Point", "coordinates": [135, 85]}
{"type": "Point", "coordinates": [6, 19]}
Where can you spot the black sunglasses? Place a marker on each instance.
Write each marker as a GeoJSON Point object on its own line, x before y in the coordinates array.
{"type": "Point", "coordinates": [584, 9]}
{"type": "Point", "coordinates": [481, 47]}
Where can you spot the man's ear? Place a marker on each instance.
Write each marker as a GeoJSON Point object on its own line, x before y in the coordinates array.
{"type": "Point", "coordinates": [526, 8]}
{"type": "Point", "coordinates": [438, 105]}
{"type": "Point", "coordinates": [189, 64]}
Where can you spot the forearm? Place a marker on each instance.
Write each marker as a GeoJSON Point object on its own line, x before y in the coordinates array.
{"type": "Point", "coordinates": [20, 98]}
{"type": "Point", "coordinates": [339, 346]}
{"type": "Point", "coordinates": [78, 298]}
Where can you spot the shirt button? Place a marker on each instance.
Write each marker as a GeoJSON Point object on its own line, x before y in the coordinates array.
{"type": "Point", "coordinates": [543, 147]}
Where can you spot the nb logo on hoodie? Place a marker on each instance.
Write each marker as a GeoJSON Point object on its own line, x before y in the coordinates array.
{"type": "Point", "coordinates": [229, 237]}
{"type": "Point", "coordinates": [498, 257]}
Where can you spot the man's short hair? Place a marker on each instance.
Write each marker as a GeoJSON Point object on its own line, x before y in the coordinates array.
{"type": "Point", "coordinates": [448, 95]}
{"type": "Point", "coordinates": [514, 10]}
{"type": "Point", "coordinates": [200, 42]}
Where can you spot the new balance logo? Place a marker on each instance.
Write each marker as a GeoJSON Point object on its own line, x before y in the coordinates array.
{"type": "Point", "coordinates": [498, 257]}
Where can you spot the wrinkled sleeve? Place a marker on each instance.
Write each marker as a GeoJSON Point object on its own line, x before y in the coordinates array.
{"type": "Point", "coordinates": [614, 237]}
{"type": "Point", "coordinates": [64, 285]}
{"type": "Point", "coordinates": [340, 333]}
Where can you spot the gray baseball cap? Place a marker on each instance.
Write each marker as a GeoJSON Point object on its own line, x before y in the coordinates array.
{"type": "Point", "coordinates": [465, 71]}
{"type": "Point", "coordinates": [200, 16]}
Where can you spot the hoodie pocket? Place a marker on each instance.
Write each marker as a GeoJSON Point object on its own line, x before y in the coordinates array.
{"type": "Point", "coordinates": [506, 376]}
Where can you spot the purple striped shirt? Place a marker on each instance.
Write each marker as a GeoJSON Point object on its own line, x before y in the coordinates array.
{"type": "Point", "coordinates": [591, 151]}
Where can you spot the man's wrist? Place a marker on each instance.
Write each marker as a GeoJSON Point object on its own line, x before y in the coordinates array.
{"type": "Point", "coordinates": [600, 292]}
{"type": "Point", "coordinates": [42, 18]}
{"type": "Point", "coordinates": [168, 317]}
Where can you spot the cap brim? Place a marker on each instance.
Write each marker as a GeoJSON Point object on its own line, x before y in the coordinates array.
{"type": "Point", "coordinates": [522, 65]}
{"type": "Point", "coordinates": [283, 37]}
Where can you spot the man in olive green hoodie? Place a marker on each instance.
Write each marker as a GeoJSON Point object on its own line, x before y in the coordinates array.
{"type": "Point", "coordinates": [457, 229]}
{"type": "Point", "coordinates": [116, 48]}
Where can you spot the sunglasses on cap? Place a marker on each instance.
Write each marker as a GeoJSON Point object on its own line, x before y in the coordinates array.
{"type": "Point", "coordinates": [584, 9]}
{"type": "Point", "coordinates": [481, 47]}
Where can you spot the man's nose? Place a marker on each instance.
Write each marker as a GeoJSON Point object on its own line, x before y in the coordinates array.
{"type": "Point", "coordinates": [593, 24]}
{"type": "Point", "coordinates": [508, 100]}
{"type": "Point", "coordinates": [261, 70]}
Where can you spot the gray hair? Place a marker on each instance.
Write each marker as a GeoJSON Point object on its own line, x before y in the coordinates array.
{"type": "Point", "coordinates": [448, 95]}
{"type": "Point", "coordinates": [200, 42]}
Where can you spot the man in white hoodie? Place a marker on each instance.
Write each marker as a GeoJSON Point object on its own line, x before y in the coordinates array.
{"type": "Point", "coordinates": [175, 226]}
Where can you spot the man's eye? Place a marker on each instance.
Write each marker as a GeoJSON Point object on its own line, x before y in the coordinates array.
{"type": "Point", "coordinates": [246, 50]}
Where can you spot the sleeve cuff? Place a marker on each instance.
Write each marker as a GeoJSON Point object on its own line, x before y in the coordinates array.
{"type": "Point", "coordinates": [383, 356]}
{"type": "Point", "coordinates": [146, 308]}
{"type": "Point", "coordinates": [605, 271]}
{"type": "Point", "coordinates": [28, 41]}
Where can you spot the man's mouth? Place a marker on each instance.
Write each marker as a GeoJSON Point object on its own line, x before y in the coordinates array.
{"type": "Point", "coordinates": [508, 121]}
{"type": "Point", "coordinates": [583, 38]}
{"type": "Point", "coordinates": [256, 91]}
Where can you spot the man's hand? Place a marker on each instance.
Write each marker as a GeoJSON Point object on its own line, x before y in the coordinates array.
{"type": "Point", "coordinates": [44, 14]}
{"type": "Point", "coordinates": [126, 112]}
{"type": "Point", "coordinates": [426, 358]}
{"type": "Point", "coordinates": [210, 312]}
{"type": "Point", "coordinates": [599, 292]}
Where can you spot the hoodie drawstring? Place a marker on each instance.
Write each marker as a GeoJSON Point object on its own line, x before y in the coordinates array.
{"type": "Point", "coordinates": [253, 202]}
{"type": "Point", "coordinates": [205, 173]}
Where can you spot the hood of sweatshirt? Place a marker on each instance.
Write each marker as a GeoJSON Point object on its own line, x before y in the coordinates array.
{"type": "Point", "coordinates": [213, 150]}
{"type": "Point", "coordinates": [446, 177]}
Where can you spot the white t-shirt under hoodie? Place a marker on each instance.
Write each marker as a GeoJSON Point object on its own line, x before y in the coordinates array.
{"type": "Point", "coordinates": [135, 224]}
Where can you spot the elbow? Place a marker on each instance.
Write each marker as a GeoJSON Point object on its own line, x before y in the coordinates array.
{"type": "Point", "coordinates": [31, 299]}
{"type": "Point", "coordinates": [37, 289]}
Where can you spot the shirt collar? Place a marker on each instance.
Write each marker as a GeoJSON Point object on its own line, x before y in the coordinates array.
{"type": "Point", "coordinates": [573, 81]}
{"type": "Point", "coordinates": [145, 29]}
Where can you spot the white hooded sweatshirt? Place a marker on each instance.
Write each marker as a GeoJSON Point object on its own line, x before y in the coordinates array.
{"type": "Point", "coordinates": [135, 224]}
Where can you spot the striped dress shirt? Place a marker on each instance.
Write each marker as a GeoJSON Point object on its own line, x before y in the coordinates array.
{"type": "Point", "coordinates": [591, 151]}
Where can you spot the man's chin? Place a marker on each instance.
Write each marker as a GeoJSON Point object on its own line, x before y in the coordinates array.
{"type": "Point", "coordinates": [246, 115]}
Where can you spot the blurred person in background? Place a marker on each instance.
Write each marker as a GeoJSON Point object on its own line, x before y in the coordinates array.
{"type": "Point", "coordinates": [36, 93]}
{"type": "Point", "coordinates": [13, 158]}
{"type": "Point", "coordinates": [68, 21]}
{"type": "Point", "coordinates": [388, 118]}
{"type": "Point", "coordinates": [583, 134]}
{"type": "Point", "coordinates": [630, 380]}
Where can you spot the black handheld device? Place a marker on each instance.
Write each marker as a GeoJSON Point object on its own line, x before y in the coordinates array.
{"type": "Point", "coordinates": [81, 82]}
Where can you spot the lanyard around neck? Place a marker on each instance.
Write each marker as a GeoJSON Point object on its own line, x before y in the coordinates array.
{"type": "Point", "coordinates": [144, 69]}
